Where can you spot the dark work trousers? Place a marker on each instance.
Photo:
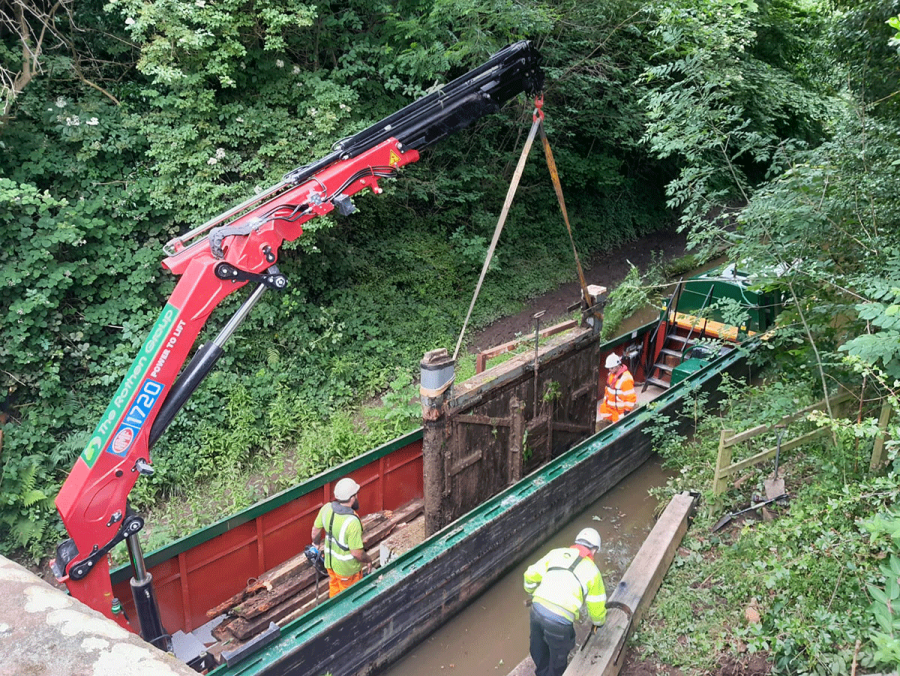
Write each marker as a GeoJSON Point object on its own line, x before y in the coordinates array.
{"type": "Point", "coordinates": [551, 642]}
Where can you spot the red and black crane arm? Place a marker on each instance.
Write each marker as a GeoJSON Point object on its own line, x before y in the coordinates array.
{"type": "Point", "coordinates": [234, 249]}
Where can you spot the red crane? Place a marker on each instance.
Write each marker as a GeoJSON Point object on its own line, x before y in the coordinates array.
{"type": "Point", "coordinates": [237, 248]}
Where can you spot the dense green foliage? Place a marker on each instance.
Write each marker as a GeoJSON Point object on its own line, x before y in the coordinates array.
{"type": "Point", "coordinates": [728, 93]}
{"type": "Point", "coordinates": [768, 126]}
{"type": "Point", "coordinates": [175, 111]}
{"type": "Point", "coordinates": [634, 293]}
{"type": "Point", "coordinates": [819, 576]}
{"type": "Point", "coordinates": [823, 229]}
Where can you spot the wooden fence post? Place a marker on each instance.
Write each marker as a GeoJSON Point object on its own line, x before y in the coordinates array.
{"type": "Point", "coordinates": [878, 449]}
{"type": "Point", "coordinates": [720, 479]}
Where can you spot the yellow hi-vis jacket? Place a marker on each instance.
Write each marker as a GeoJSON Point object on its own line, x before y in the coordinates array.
{"type": "Point", "coordinates": [563, 581]}
{"type": "Point", "coordinates": [343, 532]}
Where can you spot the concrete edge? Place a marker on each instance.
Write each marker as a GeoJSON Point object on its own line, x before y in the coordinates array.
{"type": "Point", "coordinates": [46, 632]}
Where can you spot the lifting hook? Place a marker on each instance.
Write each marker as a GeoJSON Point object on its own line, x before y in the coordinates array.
{"type": "Point", "coordinates": [538, 106]}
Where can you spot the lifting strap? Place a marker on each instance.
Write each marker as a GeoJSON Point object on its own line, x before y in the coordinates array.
{"type": "Point", "coordinates": [571, 569]}
{"type": "Point", "coordinates": [329, 533]}
{"type": "Point", "coordinates": [537, 123]}
{"type": "Point", "coordinates": [554, 176]}
{"type": "Point", "coordinates": [517, 176]}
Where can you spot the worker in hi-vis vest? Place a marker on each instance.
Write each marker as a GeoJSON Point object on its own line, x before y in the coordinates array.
{"type": "Point", "coordinates": [560, 584]}
{"type": "Point", "coordinates": [620, 397]}
{"type": "Point", "coordinates": [344, 554]}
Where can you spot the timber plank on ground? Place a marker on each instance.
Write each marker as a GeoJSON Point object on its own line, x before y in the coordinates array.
{"type": "Point", "coordinates": [603, 653]}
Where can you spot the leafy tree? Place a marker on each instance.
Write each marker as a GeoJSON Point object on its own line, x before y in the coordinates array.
{"type": "Point", "coordinates": [723, 105]}
{"type": "Point", "coordinates": [822, 231]}
{"type": "Point", "coordinates": [52, 39]}
{"type": "Point", "coordinates": [861, 39]}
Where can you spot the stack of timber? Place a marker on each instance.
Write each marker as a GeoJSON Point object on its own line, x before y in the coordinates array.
{"type": "Point", "coordinates": [291, 589]}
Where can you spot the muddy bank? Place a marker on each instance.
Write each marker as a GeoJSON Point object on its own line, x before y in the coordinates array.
{"type": "Point", "coordinates": [606, 269]}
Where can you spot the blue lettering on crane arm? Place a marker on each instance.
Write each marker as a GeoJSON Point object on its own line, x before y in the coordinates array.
{"type": "Point", "coordinates": [135, 418]}
{"type": "Point", "coordinates": [136, 374]}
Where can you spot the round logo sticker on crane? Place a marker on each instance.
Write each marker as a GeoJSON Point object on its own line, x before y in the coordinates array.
{"type": "Point", "coordinates": [122, 441]}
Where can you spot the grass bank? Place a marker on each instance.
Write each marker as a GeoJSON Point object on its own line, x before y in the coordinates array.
{"type": "Point", "coordinates": [810, 587]}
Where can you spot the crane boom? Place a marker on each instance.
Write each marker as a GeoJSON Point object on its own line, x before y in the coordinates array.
{"type": "Point", "coordinates": [213, 261]}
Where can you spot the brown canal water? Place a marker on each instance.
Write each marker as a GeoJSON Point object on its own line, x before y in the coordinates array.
{"type": "Point", "coordinates": [490, 636]}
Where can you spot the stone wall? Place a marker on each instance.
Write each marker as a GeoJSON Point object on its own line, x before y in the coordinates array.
{"type": "Point", "coordinates": [45, 632]}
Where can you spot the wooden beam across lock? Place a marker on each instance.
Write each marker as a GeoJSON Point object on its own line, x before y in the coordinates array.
{"type": "Point", "coordinates": [481, 358]}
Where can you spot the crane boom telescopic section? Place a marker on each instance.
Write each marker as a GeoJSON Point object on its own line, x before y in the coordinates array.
{"type": "Point", "coordinates": [235, 248]}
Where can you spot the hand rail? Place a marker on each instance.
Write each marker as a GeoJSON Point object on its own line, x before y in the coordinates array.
{"type": "Point", "coordinates": [651, 353]}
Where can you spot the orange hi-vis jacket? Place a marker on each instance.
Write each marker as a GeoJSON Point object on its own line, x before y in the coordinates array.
{"type": "Point", "coordinates": [620, 396]}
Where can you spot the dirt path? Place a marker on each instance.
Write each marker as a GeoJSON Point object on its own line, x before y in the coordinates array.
{"type": "Point", "coordinates": [607, 269]}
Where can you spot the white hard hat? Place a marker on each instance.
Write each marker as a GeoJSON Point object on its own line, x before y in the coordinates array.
{"type": "Point", "coordinates": [589, 538]}
{"type": "Point", "coordinates": [345, 489]}
{"type": "Point", "coordinates": [613, 360]}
